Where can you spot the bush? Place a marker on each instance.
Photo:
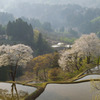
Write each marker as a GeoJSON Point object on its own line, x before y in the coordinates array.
{"type": "Point", "coordinates": [53, 74]}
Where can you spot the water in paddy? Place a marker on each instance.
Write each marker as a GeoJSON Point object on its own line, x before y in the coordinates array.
{"type": "Point", "coordinates": [89, 77]}
{"type": "Point", "coordinates": [80, 91]}
{"type": "Point", "coordinates": [9, 91]}
{"type": "Point", "coordinates": [95, 70]}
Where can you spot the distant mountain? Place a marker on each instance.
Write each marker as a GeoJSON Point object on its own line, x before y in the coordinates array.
{"type": "Point", "coordinates": [28, 7]}
{"type": "Point", "coordinates": [60, 13]}
{"type": "Point", "coordinates": [88, 3]}
{"type": "Point", "coordinates": [6, 5]}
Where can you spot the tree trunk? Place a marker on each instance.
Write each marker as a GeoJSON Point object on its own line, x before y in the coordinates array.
{"type": "Point", "coordinates": [44, 74]}
{"type": "Point", "coordinates": [13, 71]}
{"type": "Point", "coordinates": [68, 68]}
{"type": "Point", "coordinates": [98, 62]}
{"type": "Point", "coordinates": [12, 91]}
{"type": "Point", "coordinates": [76, 66]}
{"type": "Point", "coordinates": [16, 91]}
{"type": "Point", "coordinates": [37, 75]}
{"type": "Point", "coordinates": [80, 61]}
{"type": "Point", "coordinates": [76, 62]}
{"type": "Point", "coordinates": [88, 59]}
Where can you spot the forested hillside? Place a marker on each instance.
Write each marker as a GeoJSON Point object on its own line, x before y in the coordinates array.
{"type": "Point", "coordinates": [59, 16]}
{"type": "Point", "coordinates": [60, 21]}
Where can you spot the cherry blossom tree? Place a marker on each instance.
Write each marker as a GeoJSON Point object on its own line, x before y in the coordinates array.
{"type": "Point", "coordinates": [87, 46]}
{"type": "Point", "coordinates": [14, 56]}
{"type": "Point", "coordinates": [69, 60]}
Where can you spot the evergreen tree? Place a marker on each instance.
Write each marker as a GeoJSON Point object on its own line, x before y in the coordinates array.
{"type": "Point", "coordinates": [4, 73]}
{"type": "Point", "coordinates": [20, 31]}
{"type": "Point", "coordinates": [2, 30]}
{"type": "Point", "coordinates": [47, 27]}
{"type": "Point", "coordinates": [42, 46]}
{"type": "Point", "coordinates": [55, 60]}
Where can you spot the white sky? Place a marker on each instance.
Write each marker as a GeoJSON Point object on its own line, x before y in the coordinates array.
{"type": "Point", "coordinates": [6, 4]}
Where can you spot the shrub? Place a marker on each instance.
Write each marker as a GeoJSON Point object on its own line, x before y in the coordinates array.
{"type": "Point", "coordinates": [53, 74]}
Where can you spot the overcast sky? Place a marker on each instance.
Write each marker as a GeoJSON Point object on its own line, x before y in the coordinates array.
{"type": "Point", "coordinates": [5, 4]}
{"type": "Point", "coordinates": [10, 4]}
